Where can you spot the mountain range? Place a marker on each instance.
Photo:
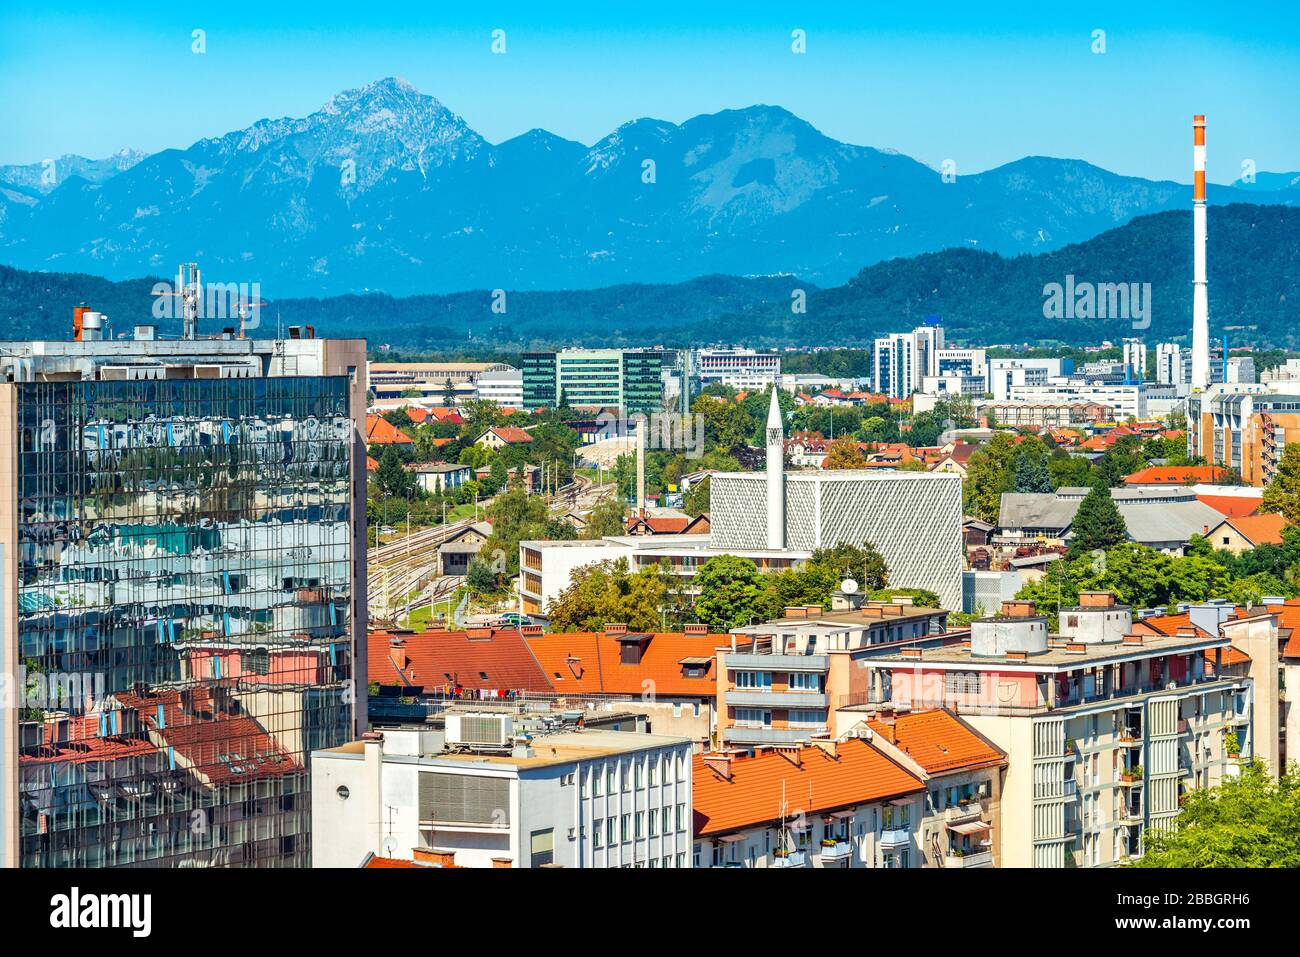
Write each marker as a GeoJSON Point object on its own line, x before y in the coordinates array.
{"type": "Point", "coordinates": [385, 189]}
{"type": "Point", "coordinates": [981, 297]}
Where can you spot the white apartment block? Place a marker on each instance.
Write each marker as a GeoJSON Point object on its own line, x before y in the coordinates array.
{"type": "Point", "coordinates": [1135, 358]}
{"type": "Point", "coordinates": [1006, 374]}
{"type": "Point", "coordinates": [1128, 401]}
{"type": "Point", "coordinates": [741, 369]}
{"type": "Point", "coordinates": [572, 798]}
{"type": "Point", "coordinates": [1169, 364]}
{"type": "Point", "coordinates": [505, 388]}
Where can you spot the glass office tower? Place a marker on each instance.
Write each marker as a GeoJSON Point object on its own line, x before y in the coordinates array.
{"type": "Point", "coordinates": [181, 553]}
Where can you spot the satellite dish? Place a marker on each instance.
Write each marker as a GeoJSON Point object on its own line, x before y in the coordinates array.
{"type": "Point", "coordinates": [848, 586]}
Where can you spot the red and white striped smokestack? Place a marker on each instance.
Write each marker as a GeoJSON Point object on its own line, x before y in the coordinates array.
{"type": "Point", "coordinates": [1200, 289]}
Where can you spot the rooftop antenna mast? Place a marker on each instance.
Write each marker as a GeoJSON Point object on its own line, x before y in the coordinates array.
{"type": "Point", "coordinates": [189, 290]}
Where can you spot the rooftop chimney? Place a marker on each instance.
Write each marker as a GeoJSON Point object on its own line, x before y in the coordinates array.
{"type": "Point", "coordinates": [1200, 288]}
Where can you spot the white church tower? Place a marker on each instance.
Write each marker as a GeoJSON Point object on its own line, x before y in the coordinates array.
{"type": "Point", "coordinates": [775, 473]}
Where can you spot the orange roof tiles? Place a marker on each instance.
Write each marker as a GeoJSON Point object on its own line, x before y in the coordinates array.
{"type": "Point", "coordinates": [500, 660]}
{"type": "Point", "coordinates": [1231, 506]}
{"type": "Point", "coordinates": [382, 432]}
{"type": "Point", "coordinates": [1176, 475]}
{"type": "Point", "coordinates": [84, 744]}
{"type": "Point", "coordinates": [939, 741]}
{"type": "Point", "coordinates": [511, 434]}
{"type": "Point", "coordinates": [586, 661]}
{"type": "Point", "coordinates": [383, 862]}
{"type": "Point", "coordinates": [1263, 529]}
{"type": "Point", "coordinates": [218, 746]}
{"type": "Point", "coordinates": [770, 785]}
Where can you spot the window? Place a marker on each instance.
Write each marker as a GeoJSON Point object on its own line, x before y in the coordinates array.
{"type": "Point", "coordinates": [625, 829]}
{"type": "Point", "coordinates": [654, 824]}
{"type": "Point", "coordinates": [542, 847]}
{"type": "Point", "coordinates": [598, 833]}
{"type": "Point", "coordinates": [640, 825]}
{"type": "Point", "coordinates": [681, 817]}
{"type": "Point", "coordinates": [666, 815]}
{"type": "Point", "coordinates": [626, 777]}
{"type": "Point", "coordinates": [753, 718]}
{"type": "Point", "coordinates": [611, 783]}
{"type": "Point", "coordinates": [609, 830]}
{"type": "Point", "coordinates": [805, 681]}
{"type": "Point", "coordinates": [597, 782]}
{"type": "Point", "coordinates": [962, 682]}
{"type": "Point", "coordinates": [754, 679]}
{"type": "Point", "coordinates": [654, 770]}
{"type": "Point", "coordinates": [640, 774]}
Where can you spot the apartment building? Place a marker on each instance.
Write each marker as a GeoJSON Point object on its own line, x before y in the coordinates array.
{"type": "Point", "coordinates": [1135, 359]}
{"type": "Point", "coordinates": [1243, 427]}
{"type": "Point", "coordinates": [1006, 374]}
{"type": "Point", "coordinates": [901, 360]}
{"type": "Point", "coordinates": [784, 681]}
{"type": "Point", "coordinates": [836, 804]}
{"type": "Point", "coordinates": [626, 379]}
{"type": "Point", "coordinates": [1104, 726]}
{"type": "Point", "coordinates": [486, 793]}
{"type": "Point", "coordinates": [897, 790]}
{"type": "Point", "coordinates": [1170, 369]}
{"type": "Point", "coordinates": [183, 535]}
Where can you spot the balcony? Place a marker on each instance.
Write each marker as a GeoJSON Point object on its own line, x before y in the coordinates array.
{"type": "Point", "coordinates": [962, 813]}
{"type": "Point", "coordinates": [737, 735]}
{"type": "Point", "coordinates": [898, 837]}
{"type": "Point", "coordinates": [839, 851]}
{"type": "Point", "coordinates": [973, 859]}
{"type": "Point", "coordinates": [747, 660]}
{"type": "Point", "coordinates": [791, 859]}
{"type": "Point", "coordinates": [765, 698]}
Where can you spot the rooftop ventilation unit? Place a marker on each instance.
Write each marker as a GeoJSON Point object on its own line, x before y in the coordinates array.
{"type": "Point", "coordinates": [479, 730]}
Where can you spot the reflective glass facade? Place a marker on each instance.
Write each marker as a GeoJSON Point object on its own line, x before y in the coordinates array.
{"type": "Point", "coordinates": [184, 616]}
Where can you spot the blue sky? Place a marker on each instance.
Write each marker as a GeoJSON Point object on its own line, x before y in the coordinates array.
{"type": "Point", "coordinates": [980, 88]}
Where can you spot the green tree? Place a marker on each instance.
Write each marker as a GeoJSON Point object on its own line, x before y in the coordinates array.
{"type": "Point", "coordinates": [1031, 473]}
{"type": "Point", "coordinates": [1283, 493]}
{"type": "Point", "coordinates": [605, 591]}
{"type": "Point", "coordinates": [1249, 820]}
{"type": "Point", "coordinates": [989, 473]}
{"type": "Point", "coordinates": [449, 394]}
{"type": "Point", "coordinates": [696, 500]}
{"type": "Point", "coordinates": [480, 577]}
{"type": "Point", "coordinates": [1097, 523]}
{"type": "Point", "coordinates": [844, 454]}
{"type": "Point", "coordinates": [607, 518]}
{"type": "Point", "coordinates": [730, 592]}
{"type": "Point", "coordinates": [862, 563]}
{"type": "Point", "coordinates": [391, 478]}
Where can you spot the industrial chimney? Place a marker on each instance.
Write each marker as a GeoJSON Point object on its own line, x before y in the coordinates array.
{"type": "Point", "coordinates": [1200, 291]}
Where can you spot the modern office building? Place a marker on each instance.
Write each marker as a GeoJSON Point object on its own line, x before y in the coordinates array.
{"type": "Point", "coordinates": [1128, 401]}
{"type": "Point", "coordinates": [743, 369]}
{"type": "Point", "coordinates": [504, 387]}
{"type": "Point", "coordinates": [901, 360]}
{"type": "Point", "coordinates": [626, 379]}
{"type": "Point", "coordinates": [484, 792]}
{"type": "Point", "coordinates": [181, 527]}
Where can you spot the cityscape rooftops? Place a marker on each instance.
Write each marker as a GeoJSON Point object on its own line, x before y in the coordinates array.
{"type": "Point", "coordinates": [937, 740]}
{"type": "Point", "coordinates": [735, 791]}
{"type": "Point", "coordinates": [477, 658]}
{"type": "Point", "coordinates": [622, 662]}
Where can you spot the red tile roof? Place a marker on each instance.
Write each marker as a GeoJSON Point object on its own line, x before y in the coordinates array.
{"type": "Point", "coordinates": [771, 785]}
{"type": "Point", "coordinates": [1177, 475]}
{"type": "Point", "coordinates": [1232, 506]}
{"type": "Point", "coordinates": [383, 862]}
{"type": "Point", "coordinates": [380, 431]}
{"type": "Point", "coordinates": [939, 741]}
{"type": "Point", "coordinates": [585, 661]}
{"type": "Point", "coordinates": [479, 658]}
{"type": "Point", "coordinates": [218, 746]}
{"type": "Point", "coordinates": [84, 744]}
{"type": "Point", "coordinates": [511, 434]}
{"type": "Point", "coordinates": [669, 525]}
{"type": "Point", "coordinates": [1263, 529]}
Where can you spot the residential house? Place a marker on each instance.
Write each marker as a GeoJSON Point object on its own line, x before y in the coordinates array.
{"type": "Point", "coordinates": [500, 436]}
{"type": "Point", "coordinates": [1243, 534]}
